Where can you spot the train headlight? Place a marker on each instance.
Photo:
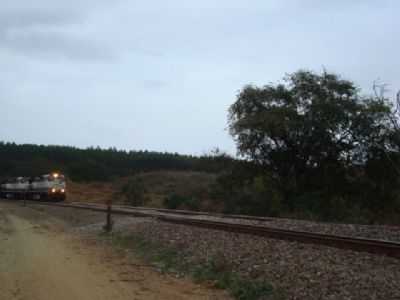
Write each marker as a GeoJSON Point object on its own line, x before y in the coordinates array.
{"type": "Point", "coordinates": [53, 190]}
{"type": "Point", "coordinates": [55, 175]}
{"type": "Point", "coordinates": [62, 191]}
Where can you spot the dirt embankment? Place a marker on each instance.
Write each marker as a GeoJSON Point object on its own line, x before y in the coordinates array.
{"type": "Point", "coordinates": [38, 261]}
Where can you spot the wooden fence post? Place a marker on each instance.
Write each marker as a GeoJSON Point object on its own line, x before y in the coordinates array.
{"type": "Point", "coordinates": [108, 226]}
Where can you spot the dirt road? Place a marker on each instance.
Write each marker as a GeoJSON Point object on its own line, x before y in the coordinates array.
{"type": "Point", "coordinates": [38, 263]}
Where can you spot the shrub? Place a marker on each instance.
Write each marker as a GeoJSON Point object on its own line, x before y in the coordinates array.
{"type": "Point", "coordinates": [175, 201]}
{"type": "Point", "coordinates": [134, 192]}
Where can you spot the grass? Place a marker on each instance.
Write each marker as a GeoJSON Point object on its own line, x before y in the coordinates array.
{"type": "Point", "coordinates": [216, 271]}
{"type": "Point", "coordinates": [240, 288]}
{"type": "Point", "coordinates": [165, 259]}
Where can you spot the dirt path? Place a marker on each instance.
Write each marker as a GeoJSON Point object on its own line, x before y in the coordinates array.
{"type": "Point", "coordinates": [38, 264]}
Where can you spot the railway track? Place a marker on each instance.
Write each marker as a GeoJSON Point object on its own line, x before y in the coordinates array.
{"type": "Point", "coordinates": [356, 244]}
{"type": "Point", "coordinates": [193, 213]}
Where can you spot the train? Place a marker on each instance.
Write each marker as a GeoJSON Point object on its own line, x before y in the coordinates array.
{"type": "Point", "coordinates": [45, 187]}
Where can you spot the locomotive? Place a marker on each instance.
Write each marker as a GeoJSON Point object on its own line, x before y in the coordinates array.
{"type": "Point", "coordinates": [45, 187]}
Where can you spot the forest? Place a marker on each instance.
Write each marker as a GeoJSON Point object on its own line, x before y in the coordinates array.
{"type": "Point", "coordinates": [96, 164]}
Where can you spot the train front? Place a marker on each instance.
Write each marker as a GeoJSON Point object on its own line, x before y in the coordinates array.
{"type": "Point", "coordinates": [57, 187]}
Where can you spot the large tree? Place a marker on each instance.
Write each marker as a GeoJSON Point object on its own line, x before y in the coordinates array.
{"type": "Point", "coordinates": [310, 130]}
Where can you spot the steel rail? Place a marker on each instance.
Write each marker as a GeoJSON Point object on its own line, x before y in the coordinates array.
{"type": "Point", "coordinates": [195, 213]}
{"type": "Point", "coordinates": [388, 248]}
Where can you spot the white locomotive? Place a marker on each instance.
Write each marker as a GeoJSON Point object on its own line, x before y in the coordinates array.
{"type": "Point", "coordinates": [47, 187]}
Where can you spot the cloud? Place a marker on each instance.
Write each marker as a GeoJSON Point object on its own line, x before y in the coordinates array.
{"type": "Point", "coordinates": [154, 84]}
{"type": "Point", "coordinates": [12, 20]}
{"type": "Point", "coordinates": [53, 45]}
{"type": "Point", "coordinates": [45, 33]}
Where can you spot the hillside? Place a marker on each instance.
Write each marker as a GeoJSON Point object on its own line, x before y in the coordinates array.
{"type": "Point", "coordinates": [157, 186]}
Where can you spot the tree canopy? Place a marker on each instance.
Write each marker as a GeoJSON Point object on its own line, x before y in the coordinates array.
{"type": "Point", "coordinates": [316, 133]}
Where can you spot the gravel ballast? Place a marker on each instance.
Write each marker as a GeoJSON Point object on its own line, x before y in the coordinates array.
{"type": "Point", "coordinates": [303, 271]}
{"type": "Point", "coordinates": [379, 232]}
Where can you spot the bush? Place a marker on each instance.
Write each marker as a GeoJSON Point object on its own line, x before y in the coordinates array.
{"type": "Point", "coordinates": [175, 201]}
{"type": "Point", "coordinates": [134, 192]}
{"type": "Point", "coordinates": [256, 195]}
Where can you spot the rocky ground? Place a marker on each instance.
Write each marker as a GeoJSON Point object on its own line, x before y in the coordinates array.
{"type": "Point", "coordinates": [302, 271]}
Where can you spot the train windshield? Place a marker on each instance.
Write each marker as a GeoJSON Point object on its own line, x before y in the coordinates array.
{"type": "Point", "coordinates": [53, 177]}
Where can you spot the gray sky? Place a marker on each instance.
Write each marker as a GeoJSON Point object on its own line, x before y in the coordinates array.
{"type": "Point", "coordinates": [160, 75]}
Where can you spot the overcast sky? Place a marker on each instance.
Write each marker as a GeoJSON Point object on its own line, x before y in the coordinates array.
{"type": "Point", "coordinates": [160, 75]}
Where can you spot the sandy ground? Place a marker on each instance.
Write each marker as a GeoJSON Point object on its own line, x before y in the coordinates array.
{"type": "Point", "coordinates": [40, 261]}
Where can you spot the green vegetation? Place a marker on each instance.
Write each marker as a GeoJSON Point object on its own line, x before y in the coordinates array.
{"type": "Point", "coordinates": [216, 271]}
{"type": "Point", "coordinates": [318, 148]}
{"type": "Point", "coordinates": [223, 277]}
{"type": "Point", "coordinates": [95, 164]}
{"type": "Point", "coordinates": [172, 189]}
{"type": "Point", "coordinates": [163, 258]}
{"type": "Point", "coordinates": [175, 201]}
{"type": "Point", "coordinates": [134, 192]}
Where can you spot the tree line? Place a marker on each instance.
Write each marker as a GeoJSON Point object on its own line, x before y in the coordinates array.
{"type": "Point", "coordinates": [96, 164]}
